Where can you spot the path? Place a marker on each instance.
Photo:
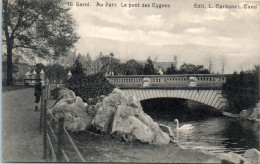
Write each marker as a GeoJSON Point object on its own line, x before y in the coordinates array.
{"type": "Point", "coordinates": [21, 141]}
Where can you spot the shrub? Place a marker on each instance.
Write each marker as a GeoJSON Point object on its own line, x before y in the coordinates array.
{"type": "Point", "coordinates": [90, 86]}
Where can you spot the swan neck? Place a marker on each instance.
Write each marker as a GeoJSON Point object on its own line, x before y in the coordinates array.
{"type": "Point", "coordinates": [177, 124]}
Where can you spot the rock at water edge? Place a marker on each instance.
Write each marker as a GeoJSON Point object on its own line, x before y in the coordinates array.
{"type": "Point", "coordinates": [231, 158]}
{"type": "Point", "coordinates": [245, 114]}
{"type": "Point", "coordinates": [252, 156]}
{"type": "Point", "coordinates": [255, 116]}
{"type": "Point", "coordinates": [126, 123]}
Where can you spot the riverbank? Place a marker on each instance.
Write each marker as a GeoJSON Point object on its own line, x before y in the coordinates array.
{"type": "Point", "coordinates": [104, 148]}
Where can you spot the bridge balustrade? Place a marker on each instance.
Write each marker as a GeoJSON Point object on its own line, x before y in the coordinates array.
{"type": "Point", "coordinates": [201, 80]}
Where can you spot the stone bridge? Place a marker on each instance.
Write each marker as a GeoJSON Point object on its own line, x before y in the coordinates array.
{"type": "Point", "coordinates": [203, 88]}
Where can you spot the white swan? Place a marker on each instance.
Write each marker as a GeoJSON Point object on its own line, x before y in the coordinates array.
{"type": "Point", "coordinates": [186, 127]}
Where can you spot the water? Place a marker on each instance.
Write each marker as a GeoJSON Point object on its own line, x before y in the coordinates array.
{"type": "Point", "coordinates": [219, 134]}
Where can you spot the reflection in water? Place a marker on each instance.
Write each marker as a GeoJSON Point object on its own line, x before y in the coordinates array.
{"type": "Point", "coordinates": [241, 134]}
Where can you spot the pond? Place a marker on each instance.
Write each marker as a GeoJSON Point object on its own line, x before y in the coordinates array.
{"type": "Point", "coordinates": [212, 131]}
{"type": "Point", "coordinates": [219, 134]}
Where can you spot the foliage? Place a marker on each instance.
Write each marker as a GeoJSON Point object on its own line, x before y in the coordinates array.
{"type": "Point", "coordinates": [149, 68]}
{"type": "Point", "coordinates": [77, 70]}
{"type": "Point", "coordinates": [106, 63]}
{"type": "Point", "coordinates": [53, 72]}
{"type": "Point", "coordinates": [85, 63]}
{"type": "Point", "coordinates": [187, 69]}
{"type": "Point", "coordinates": [171, 70]}
{"type": "Point", "coordinates": [131, 67]}
{"type": "Point", "coordinates": [89, 86]}
{"type": "Point", "coordinates": [242, 90]}
{"type": "Point", "coordinates": [39, 28]}
{"type": "Point", "coordinates": [193, 69]}
{"type": "Point", "coordinates": [56, 72]}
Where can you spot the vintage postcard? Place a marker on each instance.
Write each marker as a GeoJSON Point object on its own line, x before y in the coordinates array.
{"type": "Point", "coordinates": [131, 81]}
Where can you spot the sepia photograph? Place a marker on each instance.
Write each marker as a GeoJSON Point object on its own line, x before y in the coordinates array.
{"type": "Point", "coordinates": [130, 81]}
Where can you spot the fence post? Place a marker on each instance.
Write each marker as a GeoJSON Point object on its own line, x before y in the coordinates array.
{"type": "Point", "coordinates": [60, 139]}
{"type": "Point", "coordinates": [45, 121]}
{"type": "Point", "coordinates": [45, 128]}
{"type": "Point", "coordinates": [41, 114]}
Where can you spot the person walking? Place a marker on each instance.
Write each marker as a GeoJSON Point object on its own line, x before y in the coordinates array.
{"type": "Point", "coordinates": [37, 93]}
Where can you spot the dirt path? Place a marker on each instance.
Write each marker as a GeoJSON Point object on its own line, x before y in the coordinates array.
{"type": "Point", "coordinates": [21, 141]}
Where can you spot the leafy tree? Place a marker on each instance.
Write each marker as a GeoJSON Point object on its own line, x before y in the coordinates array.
{"type": "Point", "coordinates": [77, 70]}
{"type": "Point", "coordinates": [42, 28]}
{"type": "Point", "coordinates": [106, 63]}
{"type": "Point", "coordinates": [149, 68]}
{"type": "Point", "coordinates": [131, 67]}
{"type": "Point", "coordinates": [193, 69]}
{"type": "Point", "coordinates": [242, 90]}
{"type": "Point", "coordinates": [171, 70]}
{"type": "Point", "coordinates": [55, 72]}
{"type": "Point", "coordinates": [83, 61]}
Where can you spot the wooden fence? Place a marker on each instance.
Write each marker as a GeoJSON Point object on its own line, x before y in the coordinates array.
{"type": "Point", "coordinates": [58, 145]}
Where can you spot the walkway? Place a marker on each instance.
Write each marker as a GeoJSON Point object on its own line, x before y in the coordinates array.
{"type": "Point", "coordinates": [21, 141]}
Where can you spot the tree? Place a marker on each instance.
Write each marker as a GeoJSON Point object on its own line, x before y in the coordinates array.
{"type": "Point", "coordinates": [149, 68]}
{"type": "Point", "coordinates": [77, 70]}
{"type": "Point", "coordinates": [82, 60]}
{"type": "Point", "coordinates": [242, 90]}
{"type": "Point", "coordinates": [193, 69]}
{"type": "Point", "coordinates": [132, 67]}
{"type": "Point", "coordinates": [41, 28]}
{"type": "Point", "coordinates": [171, 70]}
{"type": "Point", "coordinates": [106, 63]}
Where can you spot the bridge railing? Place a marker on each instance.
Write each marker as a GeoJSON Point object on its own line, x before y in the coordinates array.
{"type": "Point", "coordinates": [186, 80]}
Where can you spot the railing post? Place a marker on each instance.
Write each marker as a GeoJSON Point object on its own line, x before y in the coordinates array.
{"type": "Point", "coordinates": [45, 127]}
{"type": "Point", "coordinates": [41, 114]}
{"type": "Point", "coordinates": [60, 139]}
{"type": "Point", "coordinates": [45, 120]}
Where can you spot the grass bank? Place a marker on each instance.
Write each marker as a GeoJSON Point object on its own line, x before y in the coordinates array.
{"type": "Point", "coordinates": [105, 148]}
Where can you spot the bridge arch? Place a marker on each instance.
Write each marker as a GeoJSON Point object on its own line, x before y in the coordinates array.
{"type": "Point", "coordinates": [211, 98]}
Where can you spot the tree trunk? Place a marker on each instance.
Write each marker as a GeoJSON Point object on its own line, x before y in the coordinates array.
{"type": "Point", "coordinates": [9, 79]}
{"type": "Point", "coordinates": [9, 44]}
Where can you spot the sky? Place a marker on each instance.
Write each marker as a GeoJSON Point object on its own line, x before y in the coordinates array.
{"type": "Point", "coordinates": [194, 35]}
